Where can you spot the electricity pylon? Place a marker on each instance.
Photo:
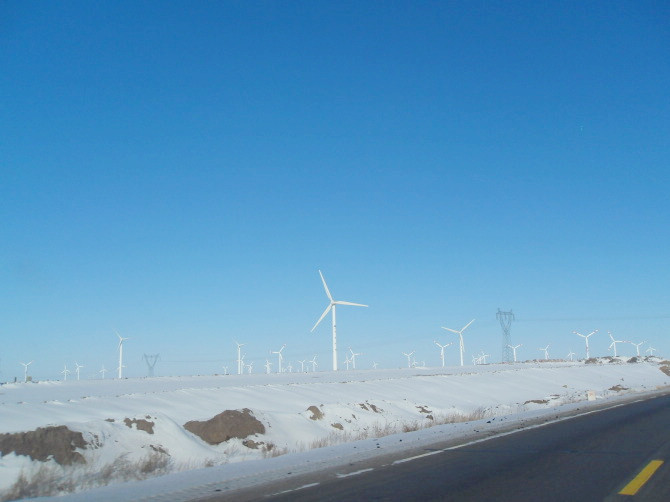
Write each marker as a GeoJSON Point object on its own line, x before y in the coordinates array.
{"type": "Point", "coordinates": [506, 319]}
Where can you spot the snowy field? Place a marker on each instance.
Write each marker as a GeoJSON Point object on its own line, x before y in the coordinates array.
{"type": "Point", "coordinates": [134, 428]}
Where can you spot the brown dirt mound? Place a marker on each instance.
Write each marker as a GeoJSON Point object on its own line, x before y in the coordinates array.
{"type": "Point", "coordinates": [317, 414]}
{"type": "Point", "coordinates": [227, 425]}
{"type": "Point", "coordinates": [44, 442]}
{"type": "Point", "coordinates": [665, 369]}
{"type": "Point", "coordinates": [140, 425]}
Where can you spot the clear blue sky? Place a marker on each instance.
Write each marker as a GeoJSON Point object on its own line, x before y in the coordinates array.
{"type": "Point", "coordinates": [180, 172]}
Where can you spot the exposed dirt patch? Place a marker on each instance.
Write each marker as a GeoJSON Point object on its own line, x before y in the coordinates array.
{"type": "Point", "coordinates": [665, 369]}
{"type": "Point", "coordinates": [537, 401]}
{"type": "Point", "coordinates": [374, 408]}
{"type": "Point", "coordinates": [58, 442]}
{"type": "Point", "coordinates": [337, 425]}
{"type": "Point", "coordinates": [633, 359]}
{"type": "Point", "coordinates": [618, 388]}
{"type": "Point", "coordinates": [158, 449]}
{"type": "Point", "coordinates": [362, 405]}
{"type": "Point", "coordinates": [226, 425]}
{"type": "Point", "coordinates": [140, 425]}
{"type": "Point", "coordinates": [591, 360]}
{"type": "Point", "coordinates": [423, 409]}
{"type": "Point", "coordinates": [317, 414]}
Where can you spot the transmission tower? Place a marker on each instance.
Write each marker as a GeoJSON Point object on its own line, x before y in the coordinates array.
{"type": "Point", "coordinates": [151, 361]}
{"type": "Point", "coordinates": [506, 319]}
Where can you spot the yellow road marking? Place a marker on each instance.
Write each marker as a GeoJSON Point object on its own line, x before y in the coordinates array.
{"type": "Point", "coordinates": [639, 480]}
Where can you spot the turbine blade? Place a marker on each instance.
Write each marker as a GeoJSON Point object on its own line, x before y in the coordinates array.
{"type": "Point", "coordinates": [466, 326]}
{"type": "Point", "coordinates": [350, 303]}
{"type": "Point", "coordinates": [325, 312]}
{"type": "Point", "coordinates": [449, 329]}
{"type": "Point", "coordinates": [325, 286]}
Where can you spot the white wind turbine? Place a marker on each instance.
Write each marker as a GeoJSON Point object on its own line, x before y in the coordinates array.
{"type": "Point", "coordinates": [279, 356]}
{"type": "Point", "coordinates": [302, 365]}
{"type": "Point", "coordinates": [65, 373]}
{"type": "Point", "coordinates": [651, 350]}
{"type": "Point", "coordinates": [239, 357]}
{"type": "Point", "coordinates": [331, 306]}
{"type": "Point", "coordinates": [586, 339]}
{"type": "Point", "coordinates": [347, 361]}
{"type": "Point", "coordinates": [267, 366]}
{"type": "Point", "coordinates": [614, 342]}
{"type": "Point", "coordinates": [314, 365]}
{"type": "Point", "coordinates": [103, 371]}
{"type": "Point", "coordinates": [442, 347]}
{"type": "Point", "coordinates": [121, 340]}
{"type": "Point", "coordinates": [77, 368]}
{"type": "Point", "coordinates": [225, 370]}
{"type": "Point", "coordinates": [514, 347]}
{"type": "Point", "coordinates": [570, 354]}
{"type": "Point", "coordinates": [546, 352]}
{"type": "Point", "coordinates": [637, 347]}
{"type": "Point", "coordinates": [374, 365]}
{"type": "Point", "coordinates": [460, 337]}
{"type": "Point", "coordinates": [353, 357]}
{"type": "Point", "coordinates": [25, 370]}
{"type": "Point", "coordinates": [409, 358]}
{"type": "Point", "coordinates": [483, 356]}
{"type": "Point", "coordinates": [250, 367]}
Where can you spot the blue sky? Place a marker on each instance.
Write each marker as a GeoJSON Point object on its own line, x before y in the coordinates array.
{"type": "Point", "coordinates": [180, 172]}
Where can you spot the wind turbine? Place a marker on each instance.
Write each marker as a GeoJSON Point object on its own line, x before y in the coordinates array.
{"type": "Point", "coordinates": [25, 370]}
{"type": "Point", "coordinates": [637, 347]}
{"type": "Point", "coordinates": [460, 337]}
{"type": "Point", "coordinates": [514, 347]}
{"type": "Point", "coordinates": [280, 357]}
{"type": "Point", "coordinates": [570, 354]}
{"type": "Point", "coordinates": [314, 365]}
{"type": "Point", "coordinates": [484, 356]}
{"type": "Point", "coordinates": [651, 350]}
{"type": "Point", "coordinates": [331, 306]}
{"type": "Point", "coordinates": [225, 370]}
{"type": "Point", "coordinates": [347, 361]}
{"type": "Point", "coordinates": [614, 342]}
{"type": "Point", "coordinates": [77, 368]}
{"type": "Point", "coordinates": [65, 373]}
{"type": "Point", "coordinates": [546, 352]}
{"type": "Point", "coordinates": [267, 366]}
{"type": "Point", "coordinates": [442, 347]}
{"type": "Point", "coordinates": [302, 365]}
{"type": "Point", "coordinates": [239, 357]}
{"type": "Point", "coordinates": [409, 360]}
{"type": "Point", "coordinates": [250, 367]}
{"type": "Point", "coordinates": [121, 340]}
{"type": "Point", "coordinates": [586, 339]}
{"type": "Point", "coordinates": [103, 371]}
{"type": "Point", "coordinates": [374, 365]}
{"type": "Point", "coordinates": [353, 358]}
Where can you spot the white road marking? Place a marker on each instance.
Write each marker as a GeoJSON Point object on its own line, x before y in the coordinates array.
{"type": "Point", "coordinates": [293, 489]}
{"type": "Point", "coordinates": [355, 473]}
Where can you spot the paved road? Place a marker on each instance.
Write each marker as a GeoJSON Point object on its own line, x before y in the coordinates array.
{"type": "Point", "coordinates": [589, 457]}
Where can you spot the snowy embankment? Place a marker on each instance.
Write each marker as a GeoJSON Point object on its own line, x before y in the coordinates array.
{"type": "Point", "coordinates": [128, 429]}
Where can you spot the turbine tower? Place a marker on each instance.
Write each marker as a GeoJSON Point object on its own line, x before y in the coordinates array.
{"type": "Point", "coordinates": [409, 360]}
{"type": "Point", "coordinates": [103, 371]}
{"type": "Point", "coordinates": [279, 356]}
{"type": "Point", "coordinates": [505, 319]}
{"type": "Point", "coordinates": [77, 368]}
{"type": "Point", "coordinates": [514, 349]}
{"type": "Point", "coordinates": [570, 354]}
{"type": "Point", "coordinates": [586, 339]}
{"type": "Point", "coordinates": [120, 368]}
{"type": "Point", "coordinates": [546, 352]}
{"type": "Point", "coordinates": [460, 337]}
{"type": "Point", "coordinates": [314, 365]}
{"type": "Point", "coordinates": [25, 370]}
{"type": "Point", "coordinates": [651, 350]}
{"type": "Point", "coordinates": [331, 306]}
{"type": "Point", "coordinates": [353, 358]}
{"type": "Point", "coordinates": [239, 357]}
{"type": "Point", "coordinates": [65, 373]}
{"type": "Point", "coordinates": [151, 361]}
{"type": "Point", "coordinates": [442, 347]}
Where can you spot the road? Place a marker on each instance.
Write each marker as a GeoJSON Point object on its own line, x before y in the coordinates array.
{"type": "Point", "coordinates": [588, 457]}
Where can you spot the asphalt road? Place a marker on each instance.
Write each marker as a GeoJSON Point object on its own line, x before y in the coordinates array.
{"type": "Point", "coordinates": [589, 457]}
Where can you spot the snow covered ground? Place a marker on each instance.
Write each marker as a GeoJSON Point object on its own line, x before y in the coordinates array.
{"type": "Point", "coordinates": [134, 428]}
